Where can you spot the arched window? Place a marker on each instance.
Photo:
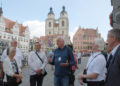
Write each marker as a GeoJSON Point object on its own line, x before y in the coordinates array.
{"type": "Point", "coordinates": [63, 23]}
{"type": "Point", "coordinates": [49, 24]}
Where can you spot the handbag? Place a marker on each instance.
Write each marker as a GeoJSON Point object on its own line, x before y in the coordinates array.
{"type": "Point", "coordinates": [12, 81]}
{"type": "Point", "coordinates": [44, 71]}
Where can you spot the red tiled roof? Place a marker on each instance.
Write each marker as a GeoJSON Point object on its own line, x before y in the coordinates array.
{"type": "Point", "coordinates": [9, 25]}
{"type": "Point", "coordinates": [46, 38]}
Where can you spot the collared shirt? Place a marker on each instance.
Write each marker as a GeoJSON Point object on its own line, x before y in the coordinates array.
{"type": "Point", "coordinates": [97, 65]}
{"type": "Point", "coordinates": [114, 50]}
{"type": "Point", "coordinates": [35, 63]}
{"type": "Point", "coordinates": [18, 56]}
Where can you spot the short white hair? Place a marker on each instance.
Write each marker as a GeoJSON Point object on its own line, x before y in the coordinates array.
{"type": "Point", "coordinates": [60, 37]}
{"type": "Point", "coordinates": [10, 50]}
{"type": "Point", "coordinates": [100, 43]}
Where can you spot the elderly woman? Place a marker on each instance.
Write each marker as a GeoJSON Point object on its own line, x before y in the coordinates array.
{"type": "Point", "coordinates": [96, 66]}
{"type": "Point", "coordinates": [11, 68]}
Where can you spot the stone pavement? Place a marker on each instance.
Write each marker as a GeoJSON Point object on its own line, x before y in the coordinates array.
{"type": "Point", "coordinates": [48, 80]}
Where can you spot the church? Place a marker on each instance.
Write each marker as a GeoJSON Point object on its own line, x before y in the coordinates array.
{"type": "Point", "coordinates": [58, 26]}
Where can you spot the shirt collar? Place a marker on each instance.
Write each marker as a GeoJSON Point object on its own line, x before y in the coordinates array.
{"type": "Point", "coordinates": [96, 53]}
{"type": "Point", "coordinates": [114, 50]}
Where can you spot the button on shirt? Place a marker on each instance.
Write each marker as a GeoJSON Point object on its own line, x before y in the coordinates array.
{"type": "Point", "coordinates": [97, 65]}
{"type": "Point", "coordinates": [35, 63]}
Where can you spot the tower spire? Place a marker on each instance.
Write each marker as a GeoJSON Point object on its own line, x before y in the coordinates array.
{"type": "Point", "coordinates": [51, 11]}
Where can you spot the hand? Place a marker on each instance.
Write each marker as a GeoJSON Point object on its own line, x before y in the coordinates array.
{"type": "Point", "coordinates": [49, 60]}
{"type": "Point", "coordinates": [81, 82]}
{"type": "Point", "coordinates": [80, 77]}
{"type": "Point", "coordinates": [19, 76]}
{"type": "Point", "coordinates": [18, 80]}
{"type": "Point", "coordinates": [38, 71]}
{"type": "Point", "coordinates": [65, 64]}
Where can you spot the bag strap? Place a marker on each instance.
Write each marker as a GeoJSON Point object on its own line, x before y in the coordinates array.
{"type": "Point", "coordinates": [91, 61]}
{"type": "Point", "coordinates": [16, 67]}
{"type": "Point", "coordinates": [68, 53]}
{"type": "Point", "coordinates": [39, 57]}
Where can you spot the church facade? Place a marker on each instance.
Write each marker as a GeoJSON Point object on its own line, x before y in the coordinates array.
{"type": "Point", "coordinates": [58, 26]}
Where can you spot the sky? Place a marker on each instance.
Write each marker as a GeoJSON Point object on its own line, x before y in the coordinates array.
{"type": "Point", "coordinates": [83, 13]}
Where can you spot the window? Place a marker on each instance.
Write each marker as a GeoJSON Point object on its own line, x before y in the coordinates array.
{"type": "Point", "coordinates": [62, 32]}
{"type": "Point", "coordinates": [63, 23]}
{"type": "Point", "coordinates": [49, 24]}
{"type": "Point", "coordinates": [49, 33]}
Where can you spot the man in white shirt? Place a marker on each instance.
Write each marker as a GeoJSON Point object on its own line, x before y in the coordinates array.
{"type": "Point", "coordinates": [37, 62]}
{"type": "Point", "coordinates": [96, 66]}
{"type": "Point", "coordinates": [18, 56]}
{"type": "Point", "coordinates": [79, 57]}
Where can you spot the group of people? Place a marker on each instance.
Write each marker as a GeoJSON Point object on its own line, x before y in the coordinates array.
{"type": "Point", "coordinates": [102, 69]}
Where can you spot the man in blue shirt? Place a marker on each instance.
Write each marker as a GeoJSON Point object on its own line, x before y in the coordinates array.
{"type": "Point", "coordinates": [63, 60]}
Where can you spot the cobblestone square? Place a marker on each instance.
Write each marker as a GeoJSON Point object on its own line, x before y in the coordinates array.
{"type": "Point", "coordinates": [48, 80]}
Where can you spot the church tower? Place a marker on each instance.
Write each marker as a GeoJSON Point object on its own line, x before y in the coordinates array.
{"type": "Point", "coordinates": [49, 24]}
{"type": "Point", "coordinates": [63, 23]}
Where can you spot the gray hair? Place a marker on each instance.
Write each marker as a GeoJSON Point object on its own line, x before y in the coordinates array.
{"type": "Point", "coordinates": [100, 43]}
{"type": "Point", "coordinates": [115, 33]}
{"type": "Point", "coordinates": [60, 37]}
{"type": "Point", "coordinates": [10, 50]}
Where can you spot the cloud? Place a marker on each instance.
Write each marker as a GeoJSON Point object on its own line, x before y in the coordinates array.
{"type": "Point", "coordinates": [72, 33]}
{"type": "Point", "coordinates": [36, 28]}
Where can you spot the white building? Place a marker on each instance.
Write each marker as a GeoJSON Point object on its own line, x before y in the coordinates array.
{"type": "Point", "coordinates": [13, 30]}
{"type": "Point", "coordinates": [58, 26]}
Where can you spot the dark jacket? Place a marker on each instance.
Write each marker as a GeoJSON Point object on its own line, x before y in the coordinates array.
{"type": "Point", "coordinates": [64, 55]}
{"type": "Point", "coordinates": [113, 75]}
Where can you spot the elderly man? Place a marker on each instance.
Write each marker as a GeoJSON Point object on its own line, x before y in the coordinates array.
{"type": "Point", "coordinates": [113, 63]}
{"type": "Point", "coordinates": [63, 60]}
{"type": "Point", "coordinates": [18, 56]}
{"type": "Point", "coordinates": [37, 62]}
{"type": "Point", "coordinates": [96, 66]}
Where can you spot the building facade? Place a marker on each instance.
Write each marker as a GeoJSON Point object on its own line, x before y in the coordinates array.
{"type": "Point", "coordinates": [83, 39]}
{"type": "Point", "coordinates": [57, 27]}
{"type": "Point", "coordinates": [49, 42]}
{"type": "Point", "coordinates": [13, 30]}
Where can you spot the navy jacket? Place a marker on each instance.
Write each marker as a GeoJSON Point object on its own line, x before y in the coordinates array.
{"type": "Point", "coordinates": [113, 75]}
{"type": "Point", "coordinates": [62, 56]}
